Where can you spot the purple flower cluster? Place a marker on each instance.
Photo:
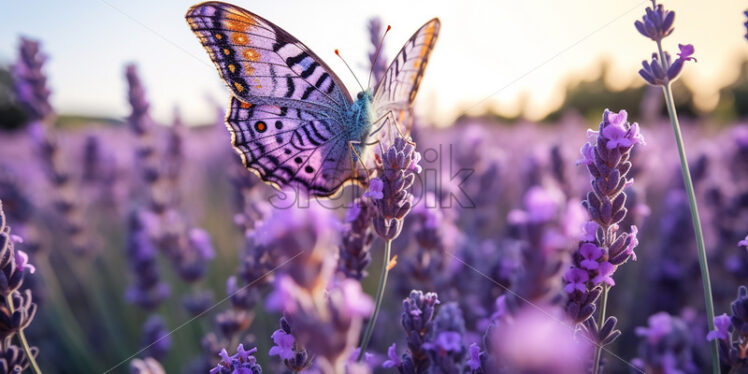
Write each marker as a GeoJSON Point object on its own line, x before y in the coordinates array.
{"type": "Point", "coordinates": [602, 248]}
{"type": "Point", "coordinates": [732, 333]}
{"type": "Point", "coordinates": [242, 362]}
{"type": "Point", "coordinates": [666, 346]}
{"type": "Point", "coordinates": [389, 191]}
{"type": "Point", "coordinates": [357, 237]}
{"type": "Point", "coordinates": [17, 309]}
{"type": "Point", "coordinates": [293, 356]}
{"type": "Point", "coordinates": [535, 340]}
{"type": "Point", "coordinates": [33, 94]}
{"type": "Point", "coordinates": [657, 24]}
{"type": "Point", "coordinates": [417, 320]}
{"type": "Point", "coordinates": [31, 82]}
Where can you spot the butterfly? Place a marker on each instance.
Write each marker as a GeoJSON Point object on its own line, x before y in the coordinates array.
{"type": "Point", "coordinates": [291, 119]}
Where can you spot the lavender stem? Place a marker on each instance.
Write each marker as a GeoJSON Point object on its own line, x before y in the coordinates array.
{"type": "Point", "coordinates": [378, 303]}
{"type": "Point", "coordinates": [600, 321]}
{"type": "Point", "coordinates": [22, 338]}
{"type": "Point", "coordinates": [706, 283]}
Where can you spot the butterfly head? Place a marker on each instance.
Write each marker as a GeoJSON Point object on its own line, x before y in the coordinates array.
{"type": "Point", "coordinates": [365, 96]}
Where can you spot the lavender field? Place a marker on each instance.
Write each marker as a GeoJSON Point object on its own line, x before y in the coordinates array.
{"type": "Point", "coordinates": [609, 236]}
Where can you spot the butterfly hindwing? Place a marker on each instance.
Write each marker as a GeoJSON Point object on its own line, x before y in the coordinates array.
{"type": "Point", "coordinates": [261, 63]}
{"type": "Point", "coordinates": [397, 89]}
{"type": "Point", "coordinates": [290, 147]}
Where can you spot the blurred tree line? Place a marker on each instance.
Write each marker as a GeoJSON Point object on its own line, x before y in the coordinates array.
{"type": "Point", "coordinates": [590, 97]}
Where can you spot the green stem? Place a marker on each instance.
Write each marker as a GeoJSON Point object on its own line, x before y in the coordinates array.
{"type": "Point", "coordinates": [706, 284]}
{"type": "Point", "coordinates": [22, 338]}
{"type": "Point", "coordinates": [603, 305]}
{"type": "Point", "coordinates": [380, 294]}
{"type": "Point", "coordinates": [703, 264]}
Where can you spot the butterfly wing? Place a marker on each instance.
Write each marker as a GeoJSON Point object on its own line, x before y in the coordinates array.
{"type": "Point", "coordinates": [291, 147]}
{"type": "Point", "coordinates": [286, 116]}
{"type": "Point", "coordinates": [262, 63]}
{"type": "Point", "coordinates": [396, 91]}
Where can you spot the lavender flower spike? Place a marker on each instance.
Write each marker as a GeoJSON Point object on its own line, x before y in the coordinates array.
{"type": "Point", "coordinates": [396, 170]}
{"type": "Point", "coordinates": [17, 309]}
{"type": "Point", "coordinates": [417, 320]}
{"type": "Point", "coordinates": [242, 362]}
{"type": "Point", "coordinates": [31, 82]}
{"type": "Point", "coordinates": [603, 248]}
{"type": "Point", "coordinates": [657, 23]}
{"type": "Point", "coordinates": [356, 239]}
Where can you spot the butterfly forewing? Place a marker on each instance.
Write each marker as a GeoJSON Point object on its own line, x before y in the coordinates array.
{"type": "Point", "coordinates": [397, 89]}
{"type": "Point", "coordinates": [261, 63]}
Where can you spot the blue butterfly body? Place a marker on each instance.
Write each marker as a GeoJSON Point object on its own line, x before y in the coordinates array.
{"type": "Point", "coordinates": [291, 119]}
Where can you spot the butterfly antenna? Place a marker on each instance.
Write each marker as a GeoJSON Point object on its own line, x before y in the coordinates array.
{"type": "Point", "coordinates": [337, 52]}
{"type": "Point", "coordinates": [376, 55]}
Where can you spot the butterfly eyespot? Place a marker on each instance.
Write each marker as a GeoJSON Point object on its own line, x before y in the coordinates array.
{"type": "Point", "coordinates": [279, 139]}
{"type": "Point", "coordinates": [287, 151]}
{"type": "Point", "coordinates": [298, 160]}
{"type": "Point", "coordinates": [278, 125]}
{"type": "Point", "coordinates": [260, 126]}
{"type": "Point", "coordinates": [251, 54]}
{"type": "Point", "coordinates": [240, 39]}
{"type": "Point", "coordinates": [226, 51]}
{"type": "Point", "coordinates": [309, 169]}
{"type": "Point", "coordinates": [219, 36]}
{"type": "Point", "coordinates": [250, 69]}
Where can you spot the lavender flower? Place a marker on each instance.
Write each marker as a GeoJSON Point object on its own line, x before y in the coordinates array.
{"type": "Point", "coordinates": [474, 360]}
{"type": "Point", "coordinates": [325, 313]}
{"type": "Point", "coordinates": [396, 170]}
{"type": "Point", "coordinates": [156, 338]}
{"type": "Point", "coordinates": [356, 237]}
{"type": "Point", "coordinates": [146, 290]}
{"type": "Point", "coordinates": [293, 356]}
{"type": "Point", "coordinates": [242, 362]}
{"type": "Point", "coordinates": [446, 348]}
{"type": "Point", "coordinates": [606, 155]}
{"type": "Point", "coordinates": [658, 73]}
{"type": "Point", "coordinates": [731, 332]}
{"type": "Point", "coordinates": [657, 23]}
{"type": "Point", "coordinates": [17, 309]}
{"type": "Point", "coordinates": [325, 323]}
{"type": "Point", "coordinates": [666, 346]}
{"type": "Point", "coordinates": [417, 320]}
{"type": "Point", "coordinates": [31, 82]}
{"type": "Point", "coordinates": [722, 328]}
{"type": "Point", "coordinates": [533, 342]}
{"type": "Point", "coordinates": [744, 242]}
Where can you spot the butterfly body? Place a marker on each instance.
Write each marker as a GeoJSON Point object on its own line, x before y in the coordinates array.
{"type": "Point", "coordinates": [360, 119]}
{"type": "Point", "coordinates": [291, 119]}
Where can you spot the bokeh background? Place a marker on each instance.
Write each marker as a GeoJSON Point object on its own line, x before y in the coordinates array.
{"type": "Point", "coordinates": [510, 91]}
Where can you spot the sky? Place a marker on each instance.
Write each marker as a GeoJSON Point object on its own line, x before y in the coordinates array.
{"type": "Point", "coordinates": [490, 54]}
